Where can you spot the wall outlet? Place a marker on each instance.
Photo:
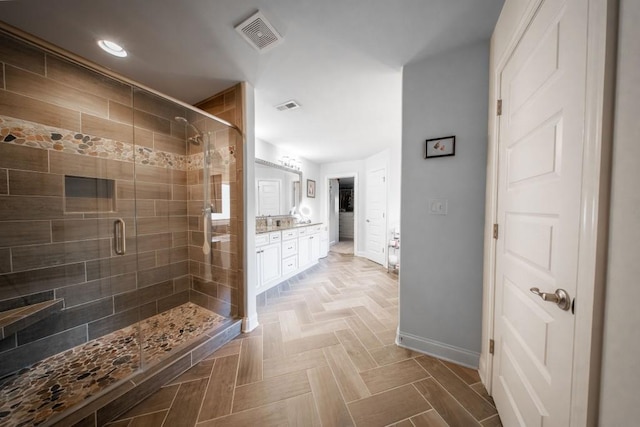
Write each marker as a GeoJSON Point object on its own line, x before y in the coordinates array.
{"type": "Point", "coordinates": [438, 206]}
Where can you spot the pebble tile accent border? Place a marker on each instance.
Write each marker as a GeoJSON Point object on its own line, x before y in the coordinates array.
{"type": "Point", "coordinates": [30, 134]}
{"type": "Point", "coordinates": [219, 158]}
{"type": "Point", "coordinates": [59, 382]}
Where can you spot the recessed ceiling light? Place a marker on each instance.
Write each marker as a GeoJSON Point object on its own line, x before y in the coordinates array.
{"type": "Point", "coordinates": [113, 48]}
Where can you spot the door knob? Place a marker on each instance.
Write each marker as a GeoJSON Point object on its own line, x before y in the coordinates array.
{"type": "Point", "coordinates": [560, 297]}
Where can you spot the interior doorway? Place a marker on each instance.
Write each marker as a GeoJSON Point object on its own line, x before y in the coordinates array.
{"type": "Point", "coordinates": [342, 214]}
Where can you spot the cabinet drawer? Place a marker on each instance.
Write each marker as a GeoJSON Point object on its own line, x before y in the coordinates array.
{"type": "Point", "coordinates": [262, 239]}
{"type": "Point", "coordinates": [289, 234]}
{"type": "Point", "coordinates": [289, 265]}
{"type": "Point", "coordinates": [289, 247]}
{"type": "Point", "coordinates": [275, 237]}
{"type": "Point", "coordinates": [315, 229]}
{"type": "Point", "coordinates": [303, 231]}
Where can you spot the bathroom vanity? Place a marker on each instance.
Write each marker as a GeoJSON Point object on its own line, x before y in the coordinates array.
{"type": "Point", "coordinates": [283, 252]}
{"type": "Point", "coordinates": [283, 247]}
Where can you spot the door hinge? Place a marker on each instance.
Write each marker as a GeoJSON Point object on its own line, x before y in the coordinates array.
{"type": "Point", "coordinates": [495, 231]}
{"type": "Point", "coordinates": [499, 108]}
{"type": "Point", "coordinates": [492, 345]}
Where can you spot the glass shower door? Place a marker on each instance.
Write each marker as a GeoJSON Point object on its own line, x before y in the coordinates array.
{"type": "Point", "coordinates": [162, 224]}
{"type": "Point", "coordinates": [66, 171]}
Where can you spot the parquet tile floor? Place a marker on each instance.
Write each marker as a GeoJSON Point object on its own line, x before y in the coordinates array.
{"type": "Point", "coordinates": [343, 247]}
{"type": "Point", "coordinates": [323, 355]}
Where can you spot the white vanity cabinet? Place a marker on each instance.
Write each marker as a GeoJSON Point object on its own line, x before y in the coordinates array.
{"type": "Point", "coordinates": [289, 252]}
{"type": "Point", "coordinates": [316, 231]}
{"type": "Point", "coordinates": [269, 256]}
{"type": "Point", "coordinates": [309, 246]}
{"type": "Point", "coordinates": [283, 254]}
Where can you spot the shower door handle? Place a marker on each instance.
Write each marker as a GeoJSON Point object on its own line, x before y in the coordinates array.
{"type": "Point", "coordinates": [120, 236]}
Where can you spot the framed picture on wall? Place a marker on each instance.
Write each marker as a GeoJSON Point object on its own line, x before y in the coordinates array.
{"type": "Point", "coordinates": [311, 188]}
{"type": "Point", "coordinates": [440, 147]}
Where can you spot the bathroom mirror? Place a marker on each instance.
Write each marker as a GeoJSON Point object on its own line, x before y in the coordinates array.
{"type": "Point", "coordinates": [277, 188]}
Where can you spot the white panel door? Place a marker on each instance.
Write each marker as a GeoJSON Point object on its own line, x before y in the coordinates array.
{"type": "Point", "coordinates": [539, 195]}
{"type": "Point", "coordinates": [269, 197]}
{"type": "Point", "coordinates": [376, 221]}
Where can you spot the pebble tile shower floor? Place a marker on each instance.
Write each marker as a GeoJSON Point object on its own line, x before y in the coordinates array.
{"type": "Point", "coordinates": [59, 382]}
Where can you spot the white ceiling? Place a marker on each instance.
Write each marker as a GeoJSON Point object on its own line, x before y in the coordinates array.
{"type": "Point", "coordinates": [341, 59]}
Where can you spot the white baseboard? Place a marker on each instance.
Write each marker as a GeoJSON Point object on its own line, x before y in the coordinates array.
{"type": "Point", "coordinates": [249, 323]}
{"type": "Point", "coordinates": [482, 370]}
{"type": "Point", "coordinates": [440, 350]}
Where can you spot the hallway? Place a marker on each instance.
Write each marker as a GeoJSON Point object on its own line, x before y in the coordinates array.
{"type": "Point", "coordinates": [344, 247]}
{"type": "Point", "coordinates": [323, 355]}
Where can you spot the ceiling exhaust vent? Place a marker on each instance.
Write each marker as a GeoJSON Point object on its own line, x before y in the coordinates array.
{"type": "Point", "coordinates": [289, 105]}
{"type": "Point", "coordinates": [259, 33]}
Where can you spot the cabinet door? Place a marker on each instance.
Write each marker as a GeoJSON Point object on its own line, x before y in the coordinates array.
{"type": "Point", "coordinates": [289, 265]}
{"type": "Point", "coordinates": [259, 267]}
{"type": "Point", "coordinates": [304, 251]}
{"type": "Point", "coordinates": [315, 247]}
{"type": "Point", "coordinates": [271, 263]}
{"type": "Point", "coordinates": [289, 248]}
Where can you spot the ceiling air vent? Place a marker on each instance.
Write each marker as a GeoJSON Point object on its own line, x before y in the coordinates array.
{"type": "Point", "coordinates": [259, 32]}
{"type": "Point", "coordinates": [289, 105]}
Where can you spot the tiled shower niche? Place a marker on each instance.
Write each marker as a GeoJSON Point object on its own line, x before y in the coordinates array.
{"type": "Point", "coordinates": [89, 195]}
{"type": "Point", "coordinates": [80, 151]}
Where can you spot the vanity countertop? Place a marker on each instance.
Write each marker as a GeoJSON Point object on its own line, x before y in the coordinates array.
{"type": "Point", "coordinates": [262, 230]}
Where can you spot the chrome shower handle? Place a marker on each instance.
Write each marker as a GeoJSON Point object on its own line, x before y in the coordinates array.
{"type": "Point", "coordinates": [120, 236]}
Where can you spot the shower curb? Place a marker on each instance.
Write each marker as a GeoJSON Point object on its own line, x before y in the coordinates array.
{"type": "Point", "coordinates": [126, 395]}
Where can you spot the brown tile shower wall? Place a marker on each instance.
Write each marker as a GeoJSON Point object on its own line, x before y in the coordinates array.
{"type": "Point", "coordinates": [58, 119]}
{"type": "Point", "coordinates": [224, 292]}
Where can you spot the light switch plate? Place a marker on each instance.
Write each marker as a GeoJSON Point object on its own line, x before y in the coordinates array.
{"type": "Point", "coordinates": [438, 206]}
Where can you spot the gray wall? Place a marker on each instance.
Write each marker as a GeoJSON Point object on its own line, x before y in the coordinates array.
{"type": "Point", "coordinates": [621, 363]}
{"type": "Point", "coordinates": [441, 268]}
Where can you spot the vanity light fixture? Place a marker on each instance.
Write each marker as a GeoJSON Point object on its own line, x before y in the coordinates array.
{"type": "Point", "coordinates": [290, 162]}
{"type": "Point", "coordinates": [113, 48]}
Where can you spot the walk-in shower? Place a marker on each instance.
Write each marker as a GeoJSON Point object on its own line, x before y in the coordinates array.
{"type": "Point", "coordinates": [119, 266]}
